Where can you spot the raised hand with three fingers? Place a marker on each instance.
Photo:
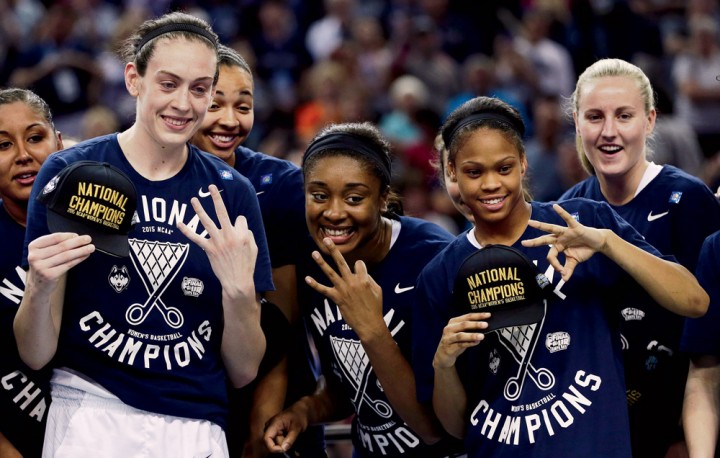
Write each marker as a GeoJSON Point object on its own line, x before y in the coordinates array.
{"type": "Point", "coordinates": [232, 252]}
{"type": "Point", "coordinates": [357, 295]}
{"type": "Point", "coordinates": [577, 242]}
{"type": "Point", "coordinates": [230, 247]}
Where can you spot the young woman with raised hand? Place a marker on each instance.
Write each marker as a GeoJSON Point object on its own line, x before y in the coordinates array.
{"type": "Point", "coordinates": [357, 300]}
{"type": "Point", "coordinates": [572, 400]}
{"type": "Point", "coordinates": [197, 248]}
{"type": "Point", "coordinates": [614, 112]}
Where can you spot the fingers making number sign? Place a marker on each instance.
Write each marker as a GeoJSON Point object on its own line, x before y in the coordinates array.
{"type": "Point", "coordinates": [230, 247]}
{"type": "Point", "coordinates": [357, 295]}
{"type": "Point", "coordinates": [577, 242]}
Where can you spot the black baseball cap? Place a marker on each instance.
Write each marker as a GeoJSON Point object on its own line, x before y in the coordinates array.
{"type": "Point", "coordinates": [499, 279]}
{"type": "Point", "coordinates": [92, 198]}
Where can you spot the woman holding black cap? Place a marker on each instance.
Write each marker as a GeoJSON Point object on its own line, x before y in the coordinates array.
{"type": "Point", "coordinates": [572, 399]}
{"type": "Point", "coordinates": [142, 346]}
{"type": "Point", "coordinates": [357, 299]}
{"type": "Point", "coordinates": [27, 138]}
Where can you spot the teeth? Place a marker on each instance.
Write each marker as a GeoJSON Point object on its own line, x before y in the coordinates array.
{"type": "Point", "coordinates": [492, 201]}
{"type": "Point", "coordinates": [336, 232]}
{"type": "Point", "coordinates": [223, 138]}
{"type": "Point", "coordinates": [610, 149]}
{"type": "Point", "coordinates": [176, 122]}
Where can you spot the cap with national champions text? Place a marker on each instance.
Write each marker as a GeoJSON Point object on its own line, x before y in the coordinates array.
{"type": "Point", "coordinates": [499, 279]}
{"type": "Point", "coordinates": [92, 198]}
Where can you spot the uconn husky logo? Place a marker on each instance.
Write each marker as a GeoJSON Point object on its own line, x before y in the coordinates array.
{"type": "Point", "coordinates": [119, 278]}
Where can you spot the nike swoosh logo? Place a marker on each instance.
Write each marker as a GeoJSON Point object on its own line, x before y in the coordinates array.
{"type": "Point", "coordinates": [202, 193]}
{"type": "Point", "coordinates": [399, 290]}
{"type": "Point", "coordinates": [652, 217]}
{"type": "Point", "coordinates": [258, 193]}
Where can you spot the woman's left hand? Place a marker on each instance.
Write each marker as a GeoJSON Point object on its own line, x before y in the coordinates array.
{"type": "Point", "coordinates": [231, 248]}
{"type": "Point", "coordinates": [357, 295]}
{"type": "Point", "coordinates": [577, 242]}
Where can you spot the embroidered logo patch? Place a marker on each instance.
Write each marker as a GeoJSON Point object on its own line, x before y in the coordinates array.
{"type": "Point", "coordinates": [557, 341]}
{"type": "Point", "coordinates": [192, 286]}
{"type": "Point", "coordinates": [632, 314]}
{"type": "Point", "coordinates": [675, 197]}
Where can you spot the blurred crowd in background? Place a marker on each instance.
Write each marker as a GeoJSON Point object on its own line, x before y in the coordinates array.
{"type": "Point", "coordinates": [402, 64]}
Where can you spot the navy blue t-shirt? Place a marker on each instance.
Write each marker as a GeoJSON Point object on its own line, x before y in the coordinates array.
{"type": "Point", "coordinates": [279, 187]}
{"type": "Point", "coordinates": [568, 367]}
{"type": "Point", "coordinates": [158, 364]}
{"type": "Point", "coordinates": [675, 212]}
{"type": "Point", "coordinates": [377, 429]}
{"type": "Point", "coordinates": [24, 393]}
{"type": "Point", "coordinates": [701, 336]}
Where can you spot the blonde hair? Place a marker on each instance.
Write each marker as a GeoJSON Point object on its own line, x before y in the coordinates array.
{"type": "Point", "coordinates": [605, 68]}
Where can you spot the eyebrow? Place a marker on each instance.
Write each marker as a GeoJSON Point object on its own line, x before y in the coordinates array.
{"type": "Point", "coordinates": [31, 126]}
{"type": "Point", "coordinates": [347, 185]}
{"type": "Point", "coordinates": [173, 75]}
{"type": "Point", "coordinates": [241, 92]}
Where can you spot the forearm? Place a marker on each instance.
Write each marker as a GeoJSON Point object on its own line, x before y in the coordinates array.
{"type": "Point", "coordinates": [326, 405]}
{"type": "Point", "coordinates": [670, 284]}
{"type": "Point", "coordinates": [398, 382]}
{"type": "Point", "coordinates": [243, 341]}
{"type": "Point", "coordinates": [268, 400]}
{"type": "Point", "coordinates": [450, 401]}
{"type": "Point", "coordinates": [7, 449]}
{"type": "Point", "coordinates": [285, 294]}
{"type": "Point", "coordinates": [37, 322]}
{"type": "Point", "coordinates": [701, 408]}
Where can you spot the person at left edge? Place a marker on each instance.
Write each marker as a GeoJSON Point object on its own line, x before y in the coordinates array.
{"type": "Point", "coordinates": [121, 385]}
{"type": "Point", "coordinates": [279, 187]}
{"type": "Point", "coordinates": [27, 138]}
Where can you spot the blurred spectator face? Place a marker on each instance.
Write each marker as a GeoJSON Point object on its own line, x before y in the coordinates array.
{"type": "Point", "coordinates": [571, 170]}
{"type": "Point", "coordinates": [368, 33]}
{"type": "Point", "coordinates": [479, 74]}
{"type": "Point", "coordinates": [705, 36]}
{"type": "Point", "coordinates": [548, 118]}
{"type": "Point", "coordinates": [612, 122]}
{"type": "Point", "coordinates": [230, 117]}
{"type": "Point", "coordinates": [536, 26]}
{"type": "Point", "coordinates": [275, 20]}
{"type": "Point", "coordinates": [98, 121]}
{"type": "Point", "coordinates": [26, 140]}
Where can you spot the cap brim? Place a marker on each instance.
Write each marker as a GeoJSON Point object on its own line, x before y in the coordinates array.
{"type": "Point", "coordinates": [112, 244]}
{"type": "Point", "coordinates": [517, 314]}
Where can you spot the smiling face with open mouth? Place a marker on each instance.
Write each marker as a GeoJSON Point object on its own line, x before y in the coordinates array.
{"type": "Point", "coordinates": [173, 96]}
{"type": "Point", "coordinates": [343, 202]}
{"type": "Point", "coordinates": [230, 117]}
{"type": "Point", "coordinates": [614, 126]}
{"type": "Point", "coordinates": [489, 171]}
{"type": "Point", "coordinates": [26, 140]}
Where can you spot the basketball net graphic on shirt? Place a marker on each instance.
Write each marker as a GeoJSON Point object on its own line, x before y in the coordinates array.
{"type": "Point", "coordinates": [520, 342]}
{"type": "Point", "coordinates": [351, 357]}
{"type": "Point", "coordinates": [157, 263]}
